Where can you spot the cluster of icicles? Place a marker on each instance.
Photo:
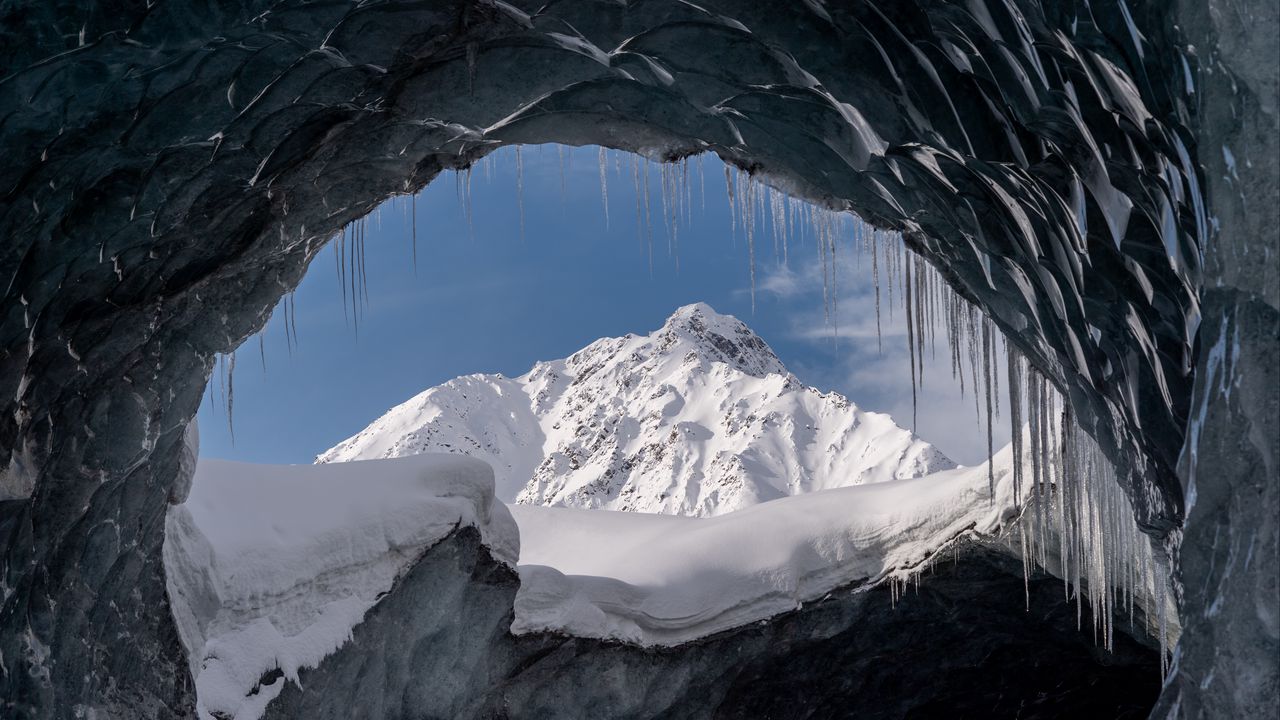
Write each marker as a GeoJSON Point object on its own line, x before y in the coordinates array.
{"type": "Point", "coordinates": [1076, 522]}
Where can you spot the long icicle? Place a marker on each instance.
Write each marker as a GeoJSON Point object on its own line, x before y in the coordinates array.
{"type": "Point", "coordinates": [875, 273]}
{"type": "Point", "coordinates": [604, 186]}
{"type": "Point", "coordinates": [986, 376]}
{"type": "Point", "coordinates": [911, 351]}
{"type": "Point", "coordinates": [520, 190]}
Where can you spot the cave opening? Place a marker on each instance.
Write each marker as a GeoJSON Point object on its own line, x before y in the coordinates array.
{"type": "Point", "coordinates": [878, 284]}
{"type": "Point", "coordinates": [178, 171]}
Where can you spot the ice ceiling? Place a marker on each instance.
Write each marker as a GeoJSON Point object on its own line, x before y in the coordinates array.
{"type": "Point", "coordinates": [173, 167]}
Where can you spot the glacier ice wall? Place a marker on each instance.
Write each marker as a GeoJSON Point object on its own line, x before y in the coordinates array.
{"type": "Point", "coordinates": [1079, 170]}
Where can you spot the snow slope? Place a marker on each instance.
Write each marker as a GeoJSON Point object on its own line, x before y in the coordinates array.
{"type": "Point", "coordinates": [697, 418]}
{"type": "Point", "coordinates": [662, 580]}
{"type": "Point", "coordinates": [271, 566]}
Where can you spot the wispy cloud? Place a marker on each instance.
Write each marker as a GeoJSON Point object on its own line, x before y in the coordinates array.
{"type": "Point", "coordinates": [868, 359]}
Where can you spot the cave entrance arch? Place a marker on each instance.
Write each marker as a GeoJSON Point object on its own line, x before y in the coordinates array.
{"type": "Point", "coordinates": [1039, 158]}
{"type": "Point", "coordinates": [466, 210]}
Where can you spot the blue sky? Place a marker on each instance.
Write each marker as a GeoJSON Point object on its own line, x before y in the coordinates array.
{"type": "Point", "coordinates": [485, 297]}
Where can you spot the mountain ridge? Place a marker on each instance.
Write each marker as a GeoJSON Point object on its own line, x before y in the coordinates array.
{"type": "Point", "coordinates": [699, 417]}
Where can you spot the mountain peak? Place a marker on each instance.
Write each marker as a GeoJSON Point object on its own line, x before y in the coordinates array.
{"type": "Point", "coordinates": [700, 313]}
{"type": "Point", "coordinates": [698, 417]}
{"type": "Point", "coordinates": [721, 338]}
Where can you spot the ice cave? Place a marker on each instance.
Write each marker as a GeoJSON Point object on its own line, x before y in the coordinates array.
{"type": "Point", "coordinates": [1079, 197]}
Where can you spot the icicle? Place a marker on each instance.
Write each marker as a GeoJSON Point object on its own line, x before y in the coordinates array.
{"type": "Point", "coordinates": [339, 253]}
{"type": "Point", "coordinates": [520, 190]}
{"type": "Point", "coordinates": [220, 372]}
{"type": "Point", "coordinates": [1044, 423]}
{"type": "Point", "coordinates": [779, 210]}
{"type": "Point", "coordinates": [471, 223]}
{"type": "Point", "coordinates": [931, 293]}
{"type": "Point", "coordinates": [1038, 420]}
{"type": "Point", "coordinates": [986, 378]}
{"type": "Point", "coordinates": [774, 217]}
{"type": "Point", "coordinates": [892, 265]}
{"type": "Point", "coordinates": [749, 224]}
{"type": "Point", "coordinates": [231, 396]}
{"type": "Point", "coordinates": [911, 354]}
{"type": "Point", "coordinates": [1063, 532]}
{"type": "Point", "coordinates": [733, 209]}
{"type": "Point", "coordinates": [635, 184]}
{"type": "Point", "coordinates": [995, 369]}
{"type": "Point", "coordinates": [604, 187]}
{"type": "Point", "coordinates": [835, 286]}
{"type": "Point", "coordinates": [875, 274]}
{"type": "Point", "coordinates": [971, 328]}
{"type": "Point", "coordinates": [648, 217]}
{"type": "Point", "coordinates": [350, 267]}
{"type": "Point", "coordinates": [670, 209]}
{"type": "Point", "coordinates": [1015, 420]}
{"type": "Point", "coordinates": [364, 268]}
{"type": "Point", "coordinates": [563, 186]}
{"type": "Point", "coordinates": [1026, 569]}
{"type": "Point", "coordinates": [284, 320]}
{"type": "Point", "coordinates": [922, 316]}
{"type": "Point", "coordinates": [687, 173]}
{"type": "Point", "coordinates": [820, 243]}
{"type": "Point", "coordinates": [293, 316]}
{"type": "Point", "coordinates": [688, 191]}
{"type": "Point", "coordinates": [702, 185]}
{"type": "Point", "coordinates": [413, 210]}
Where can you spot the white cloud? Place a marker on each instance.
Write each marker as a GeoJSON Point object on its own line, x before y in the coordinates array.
{"type": "Point", "coordinates": [872, 366]}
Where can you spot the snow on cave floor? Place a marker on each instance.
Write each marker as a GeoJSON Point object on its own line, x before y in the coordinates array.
{"type": "Point", "coordinates": [272, 566]}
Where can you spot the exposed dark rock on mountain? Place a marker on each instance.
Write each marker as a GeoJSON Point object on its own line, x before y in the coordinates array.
{"type": "Point", "coordinates": [1099, 177]}
{"type": "Point", "coordinates": [962, 645]}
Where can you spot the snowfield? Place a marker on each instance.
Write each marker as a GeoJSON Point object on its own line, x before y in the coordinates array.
{"type": "Point", "coordinates": [663, 580]}
{"type": "Point", "coordinates": [272, 566]}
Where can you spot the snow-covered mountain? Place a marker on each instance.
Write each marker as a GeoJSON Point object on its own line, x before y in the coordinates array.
{"type": "Point", "coordinates": [697, 418]}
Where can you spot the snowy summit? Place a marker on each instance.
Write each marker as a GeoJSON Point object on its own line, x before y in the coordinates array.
{"type": "Point", "coordinates": [699, 417]}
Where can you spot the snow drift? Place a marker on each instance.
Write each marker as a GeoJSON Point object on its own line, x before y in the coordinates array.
{"type": "Point", "coordinates": [269, 567]}
{"type": "Point", "coordinates": [660, 580]}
